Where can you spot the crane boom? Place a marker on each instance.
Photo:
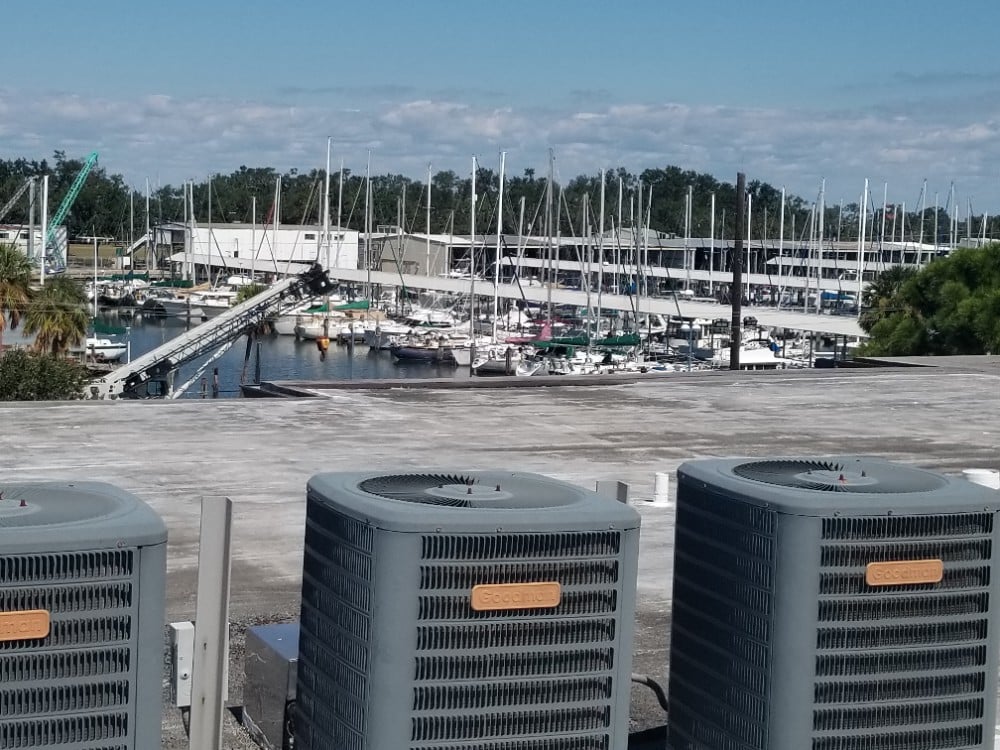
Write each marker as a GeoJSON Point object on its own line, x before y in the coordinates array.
{"type": "Point", "coordinates": [17, 196]}
{"type": "Point", "coordinates": [67, 202]}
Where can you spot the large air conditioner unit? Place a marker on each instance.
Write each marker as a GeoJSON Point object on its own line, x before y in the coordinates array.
{"type": "Point", "coordinates": [82, 586]}
{"type": "Point", "coordinates": [481, 611]}
{"type": "Point", "coordinates": [834, 604]}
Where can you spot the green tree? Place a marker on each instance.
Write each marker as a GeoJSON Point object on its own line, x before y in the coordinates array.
{"type": "Point", "coordinates": [950, 307]}
{"type": "Point", "coordinates": [29, 376]}
{"type": "Point", "coordinates": [57, 315]}
{"type": "Point", "coordinates": [15, 292]}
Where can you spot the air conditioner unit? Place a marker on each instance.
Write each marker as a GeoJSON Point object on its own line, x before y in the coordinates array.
{"type": "Point", "coordinates": [82, 587]}
{"type": "Point", "coordinates": [832, 604]}
{"type": "Point", "coordinates": [272, 653]}
{"type": "Point", "coordinates": [481, 611]}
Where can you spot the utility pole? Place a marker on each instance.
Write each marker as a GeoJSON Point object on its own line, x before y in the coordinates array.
{"type": "Point", "coordinates": [735, 292]}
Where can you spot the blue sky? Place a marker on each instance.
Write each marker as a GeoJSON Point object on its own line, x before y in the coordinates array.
{"type": "Point", "coordinates": [789, 93]}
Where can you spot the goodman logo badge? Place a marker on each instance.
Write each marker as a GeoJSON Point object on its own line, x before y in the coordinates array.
{"type": "Point", "coordinates": [24, 626]}
{"type": "Point", "coordinates": [904, 572]}
{"type": "Point", "coordinates": [504, 596]}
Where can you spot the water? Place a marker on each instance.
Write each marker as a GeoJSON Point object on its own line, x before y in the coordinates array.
{"type": "Point", "coordinates": [281, 357]}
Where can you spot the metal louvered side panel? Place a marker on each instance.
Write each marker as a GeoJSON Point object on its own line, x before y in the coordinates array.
{"type": "Point", "coordinates": [75, 688]}
{"type": "Point", "coordinates": [723, 601]}
{"type": "Point", "coordinates": [523, 679]}
{"type": "Point", "coordinates": [336, 630]}
{"type": "Point", "coordinates": [903, 666]}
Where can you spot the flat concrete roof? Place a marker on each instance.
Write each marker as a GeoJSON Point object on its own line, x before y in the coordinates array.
{"type": "Point", "coordinates": [261, 453]}
{"type": "Point", "coordinates": [976, 362]}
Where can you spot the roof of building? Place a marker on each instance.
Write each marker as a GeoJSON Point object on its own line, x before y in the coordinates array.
{"type": "Point", "coordinates": [178, 226]}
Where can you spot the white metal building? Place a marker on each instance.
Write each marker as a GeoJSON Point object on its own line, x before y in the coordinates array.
{"type": "Point", "coordinates": [17, 235]}
{"type": "Point", "coordinates": [265, 250]}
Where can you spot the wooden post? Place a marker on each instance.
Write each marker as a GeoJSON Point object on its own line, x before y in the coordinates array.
{"type": "Point", "coordinates": [736, 290]}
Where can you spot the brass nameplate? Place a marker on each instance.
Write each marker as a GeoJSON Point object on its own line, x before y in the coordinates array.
{"type": "Point", "coordinates": [504, 596]}
{"type": "Point", "coordinates": [904, 572]}
{"type": "Point", "coordinates": [24, 626]}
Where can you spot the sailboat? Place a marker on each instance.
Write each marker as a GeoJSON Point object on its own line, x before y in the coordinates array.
{"type": "Point", "coordinates": [104, 350]}
{"type": "Point", "coordinates": [98, 347]}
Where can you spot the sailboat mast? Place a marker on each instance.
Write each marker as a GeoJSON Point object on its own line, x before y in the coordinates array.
{"type": "Point", "coordinates": [32, 189]}
{"type": "Point", "coordinates": [923, 210]}
{"type": "Point", "coordinates": [812, 240]}
{"type": "Point", "coordinates": [472, 255]}
{"type": "Point", "coordinates": [821, 230]}
{"type": "Point", "coordinates": [640, 268]}
{"type": "Point", "coordinates": [340, 207]}
{"type": "Point", "coordinates": [585, 273]}
{"type": "Point", "coordinates": [520, 236]}
{"type": "Point", "coordinates": [646, 269]}
{"type": "Point", "coordinates": [368, 225]}
{"type": "Point", "coordinates": [326, 232]}
{"type": "Point", "coordinates": [711, 249]}
{"type": "Point", "coordinates": [937, 211]}
{"type": "Point", "coordinates": [548, 239]}
{"type": "Point", "coordinates": [208, 258]}
{"type": "Point", "coordinates": [496, 266]}
{"type": "Point", "coordinates": [781, 243]}
{"type": "Point", "coordinates": [95, 275]}
{"type": "Point", "coordinates": [193, 271]}
{"type": "Point", "coordinates": [885, 206]}
{"type": "Point", "coordinates": [45, 230]}
{"type": "Point", "coordinates": [687, 236]}
{"type": "Point", "coordinates": [253, 237]}
{"type": "Point", "coordinates": [149, 240]}
{"type": "Point", "coordinates": [187, 233]}
{"type": "Point", "coordinates": [749, 265]}
{"type": "Point", "coordinates": [427, 268]}
{"type": "Point", "coordinates": [600, 255]}
{"type": "Point", "coordinates": [861, 241]}
{"type": "Point", "coordinates": [953, 232]}
{"type": "Point", "coordinates": [326, 205]}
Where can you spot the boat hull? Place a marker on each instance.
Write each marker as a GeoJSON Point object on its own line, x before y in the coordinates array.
{"type": "Point", "coordinates": [438, 355]}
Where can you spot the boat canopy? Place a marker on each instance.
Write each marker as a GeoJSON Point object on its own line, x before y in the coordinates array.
{"type": "Point", "coordinates": [361, 304]}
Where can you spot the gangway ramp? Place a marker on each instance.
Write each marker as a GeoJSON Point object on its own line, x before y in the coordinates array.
{"type": "Point", "coordinates": [160, 365]}
{"type": "Point", "coordinates": [136, 245]}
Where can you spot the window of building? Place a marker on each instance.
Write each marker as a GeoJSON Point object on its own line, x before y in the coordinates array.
{"type": "Point", "coordinates": [4, 235]}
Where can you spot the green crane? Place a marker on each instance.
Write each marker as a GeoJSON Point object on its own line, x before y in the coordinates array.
{"type": "Point", "coordinates": [67, 203]}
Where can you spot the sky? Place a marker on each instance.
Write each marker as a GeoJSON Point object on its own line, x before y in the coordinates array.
{"type": "Point", "coordinates": [790, 93]}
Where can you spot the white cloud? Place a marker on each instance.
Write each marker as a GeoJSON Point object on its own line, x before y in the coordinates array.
{"type": "Point", "coordinates": [172, 138]}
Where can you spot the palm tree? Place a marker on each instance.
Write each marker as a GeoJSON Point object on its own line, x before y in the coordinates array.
{"type": "Point", "coordinates": [57, 315]}
{"type": "Point", "coordinates": [881, 297]}
{"type": "Point", "coordinates": [15, 293]}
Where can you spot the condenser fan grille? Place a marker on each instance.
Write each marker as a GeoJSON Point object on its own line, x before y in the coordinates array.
{"type": "Point", "coordinates": [413, 488]}
{"type": "Point", "coordinates": [832, 476]}
{"type": "Point", "coordinates": [486, 490]}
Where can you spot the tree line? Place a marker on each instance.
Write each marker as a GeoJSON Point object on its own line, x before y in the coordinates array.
{"type": "Point", "coordinates": [655, 197]}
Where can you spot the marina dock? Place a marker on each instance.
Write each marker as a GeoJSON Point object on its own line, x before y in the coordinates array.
{"type": "Point", "coordinates": [261, 453]}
